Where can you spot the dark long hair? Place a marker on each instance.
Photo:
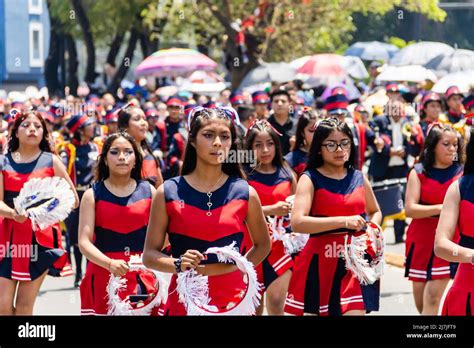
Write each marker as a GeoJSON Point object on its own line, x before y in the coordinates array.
{"type": "Point", "coordinates": [260, 127]}
{"type": "Point", "coordinates": [197, 122]}
{"type": "Point", "coordinates": [307, 116]}
{"type": "Point", "coordinates": [102, 170]}
{"type": "Point", "coordinates": [124, 117]}
{"type": "Point", "coordinates": [14, 142]}
{"type": "Point", "coordinates": [323, 130]}
{"type": "Point", "coordinates": [469, 165]}
{"type": "Point", "coordinates": [428, 155]}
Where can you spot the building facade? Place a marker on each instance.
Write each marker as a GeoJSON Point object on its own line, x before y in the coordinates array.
{"type": "Point", "coordinates": [24, 43]}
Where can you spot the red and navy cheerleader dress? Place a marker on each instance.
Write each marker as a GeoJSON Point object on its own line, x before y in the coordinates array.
{"type": "Point", "coordinates": [272, 188]}
{"type": "Point", "coordinates": [120, 230]}
{"type": "Point", "coordinates": [31, 253]}
{"type": "Point", "coordinates": [190, 228]}
{"type": "Point", "coordinates": [297, 160]}
{"type": "Point", "coordinates": [460, 297]}
{"type": "Point", "coordinates": [320, 283]}
{"type": "Point", "coordinates": [421, 264]}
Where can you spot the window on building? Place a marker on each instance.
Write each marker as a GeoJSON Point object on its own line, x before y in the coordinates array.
{"type": "Point", "coordinates": [36, 45]}
{"type": "Point", "coordinates": [35, 6]}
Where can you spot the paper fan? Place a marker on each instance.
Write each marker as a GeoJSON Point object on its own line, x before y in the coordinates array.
{"type": "Point", "coordinates": [46, 201]}
{"type": "Point", "coordinates": [117, 306]}
{"type": "Point", "coordinates": [364, 254]}
{"type": "Point", "coordinates": [193, 288]}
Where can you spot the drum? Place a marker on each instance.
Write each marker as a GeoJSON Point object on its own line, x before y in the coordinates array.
{"type": "Point", "coordinates": [389, 195]}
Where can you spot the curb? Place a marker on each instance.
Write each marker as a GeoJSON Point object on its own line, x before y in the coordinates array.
{"type": "Point", "coordinates": [394, 259]}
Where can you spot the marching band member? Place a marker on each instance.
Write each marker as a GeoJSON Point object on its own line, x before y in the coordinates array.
{"type": "Point", "coordinates": [80, 156]}
{"type": "Point", "coordinates": [333, 199]}
{"type": "Point", "coordinates": [209, 205]}
{"type": "Point", "coordinates": [430, 111]}
{"type": "Point", "coordinates": [29, 156]}
{"type": "Point", "coordinates": [111, 121]}
{"type": "Point", "coordinates": [274, 182]}
{"type": "Point", "coordinates": [261, 100]}
{"type": "Point", "coordinates": [427, 185]}
{"type": "Point", "coordinates": [174, 122]}
{"type": "Point", "coordinates": [457, 212]}
{"type": "Point", "coordinates": [113, 218]}
{"type": "Point", "coordinates": [389, 159]}
{"type": "Point", "coordinates": [281, 120]}
{"type": "Point", "coordinates": [132, 119]}
{"type": "Point", "coordinates": [454, 116]}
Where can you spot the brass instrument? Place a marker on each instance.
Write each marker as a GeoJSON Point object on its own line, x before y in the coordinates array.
{"type": "Point", "coordinates": [407, 130]}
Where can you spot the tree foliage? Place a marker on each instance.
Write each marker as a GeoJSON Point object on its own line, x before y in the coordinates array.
{"type": "Point", "coordinates": [273, 30]}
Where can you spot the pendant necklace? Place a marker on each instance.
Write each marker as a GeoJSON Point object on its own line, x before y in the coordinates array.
{"type": "Point", "coordinates": [209, 195]}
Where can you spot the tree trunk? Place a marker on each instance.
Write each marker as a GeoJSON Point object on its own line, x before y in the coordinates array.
{"type": "Point", "coordinates": [52, 61]}
{"type": "Point", "coordinates": [113, 53]}
{"type": "Point", "coordinates": [237, 68]}
{"type": "Point", "coordinates": [234, 59]}
{"type": "Point", "coordinates": [115, 48]}
{"type": "Point", "coordinates": [73, 63]}
{"type": "Point", "coordinates": [125, 64]}
{"type": "Point", "coordinates": [145, 43]}
{"type": "Point", "coordinates": [88, 40]}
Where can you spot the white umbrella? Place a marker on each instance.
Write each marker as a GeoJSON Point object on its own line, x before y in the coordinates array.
{"type": "Point", "coordinates": [408, 73]}
{"type": "Point", "coordinates": [372, 50]}
{"type": "Point", "coordinates": [355, 67]}
{"type": "Point", "coordinates": [457, 60]}
{"type": "Point", "coordinates": [463, 79]}
{"type": "Point", "coordinates": [269, 72]}
{"type": "Point", "coordinates": [420, 53]}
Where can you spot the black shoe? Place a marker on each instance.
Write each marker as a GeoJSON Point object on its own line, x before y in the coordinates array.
{"type": "Point", "coordinates": [77, 280]}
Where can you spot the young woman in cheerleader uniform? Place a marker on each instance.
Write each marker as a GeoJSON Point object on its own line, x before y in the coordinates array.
{"type": "Point", "coordinates": [332, 200]}
{"type": "Point", "coordinates": [427, 185]}
{"type": "Point", "coordinates": [274, 182]}
{"type": "Point", "coordinates": [209, 205]}
{"type": "Point", "coordinates": [29, 156]}
{"type": "Point", "coordinates": [298, 157]}
{"type": "Point", "coordinates": [457, 213]}
{"type": "Point", "coordinates": [132, 119]}
{"type": "Point", "coordinates": [113, 218]}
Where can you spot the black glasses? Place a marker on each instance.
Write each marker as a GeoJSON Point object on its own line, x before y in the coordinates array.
{"type": "Point", "coordinates": [332, 146]}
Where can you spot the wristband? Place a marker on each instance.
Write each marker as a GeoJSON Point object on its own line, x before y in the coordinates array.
{"type": "Point", "coordinates": [177, 264]}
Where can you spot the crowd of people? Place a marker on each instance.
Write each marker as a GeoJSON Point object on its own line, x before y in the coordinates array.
{"type": "Point", "coordinates": [154, 176]}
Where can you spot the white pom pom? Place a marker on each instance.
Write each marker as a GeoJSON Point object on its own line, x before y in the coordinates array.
{"type": "Point", "coordinates": [123, 307]}
{"type": "Point", "coordinates": [46, 201]}
{"type": "Point", "coordinates": [193, 288]}
{"type": "Point", "coordinates": [355, 248]}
